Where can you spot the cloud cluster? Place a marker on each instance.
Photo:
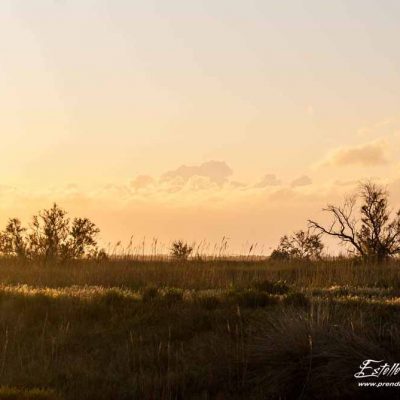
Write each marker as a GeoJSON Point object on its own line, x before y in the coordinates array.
{"type": "Point", "coordinates": [302, 181]}
{"type": "Point", "coordinates": [268, 180]}
{"type": "Point", "coordinates": [367, 155]}
{"type": "Point", "coordinates": [216, 171]}
{"type": "Point", "coordinates": [210, 178]}
{"type": "Point", "coordinates": [142, 182]}
{"type": "Point", "coordinates": [379, 128]}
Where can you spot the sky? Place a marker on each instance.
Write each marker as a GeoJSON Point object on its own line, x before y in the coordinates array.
{"type": "Point", "coordinates": [196, 119]}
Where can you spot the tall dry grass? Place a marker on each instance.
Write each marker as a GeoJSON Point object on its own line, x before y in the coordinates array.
{"type": "Point", "coordinates": [199, 274]}
{"type": "Point", "coordinates": [223, 329]}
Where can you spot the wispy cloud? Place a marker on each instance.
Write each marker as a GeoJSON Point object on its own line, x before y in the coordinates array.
{"type": "Point", "coordinates": [216, 171]}
{"type": "Point", "coordinates": [142, 182]}
{"type": "Point", "coordinates": [268, 180]}
{"type": "Point", "coordinates": [379, 128]}
{"type": "Point", "coordinates": [302, 181]}
{"type": "Point", "coordinates": [368, 154]}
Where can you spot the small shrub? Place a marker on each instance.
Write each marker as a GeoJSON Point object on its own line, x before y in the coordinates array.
{"type": "Point", "coordinates": [173, 295]}
{"type": "Point", "coordinates": [150, 293]}
{"type": "Point", "coordinates": [208, 302]}
{"type": "Point", "coordinates": [7, 393]}
{"type": "Point", "coordinates": [181, 250]}
{"type": "Point", "coordinates": [279, 255]}
{"type": "Point", "coordinates": [296, 299]}
{"type": "Point", "coordinates": [295, 357]}
{"type": "Point", "coordinates": [113, 297]}
{"type": "Point", "coordinates": [253, 299]}
{"type": "Point", "coordinates": [99, 255]}
{"type": "Point", "coordinates": [278, 287]}
{"type": "Point", "coordinates": [301, 245]}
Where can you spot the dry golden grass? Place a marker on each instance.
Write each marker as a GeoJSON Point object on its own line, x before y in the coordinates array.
{"type": "Point", "coordinates": [222, 329]}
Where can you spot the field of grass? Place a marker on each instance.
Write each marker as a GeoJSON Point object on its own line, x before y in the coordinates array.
{"type": "Point", "coordinates": [217, 329]}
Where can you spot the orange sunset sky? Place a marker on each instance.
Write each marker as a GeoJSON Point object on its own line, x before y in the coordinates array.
{"type": "Point", "coordinates": [196, 119]}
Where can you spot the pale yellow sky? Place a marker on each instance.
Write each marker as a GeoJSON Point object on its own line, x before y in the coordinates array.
{"type": "Point", "coordinates": [272, 105]}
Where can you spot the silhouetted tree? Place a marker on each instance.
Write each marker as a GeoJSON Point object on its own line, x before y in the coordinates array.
{"type": "Point", "coordinates": [81, 239]}
{"type": "Point", "coordinates": [49, 234]}
{"type": "Point", "coordinates": [181, 250]}
{"type": "Point", "coordinates": [13, 240]}
{"type": "Point", "coordinates": [51, 238]}
{"type": "Point", "coordinates": [372, 232]}
{"type": "Point", "coordinates": [300, 245]}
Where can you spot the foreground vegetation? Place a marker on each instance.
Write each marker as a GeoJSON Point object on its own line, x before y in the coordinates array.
{"type": "Point", "coordinates": [222, 329]}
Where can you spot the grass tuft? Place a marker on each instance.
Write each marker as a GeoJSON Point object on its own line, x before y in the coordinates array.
{"type": "Point", "coordinates": [8, 393]}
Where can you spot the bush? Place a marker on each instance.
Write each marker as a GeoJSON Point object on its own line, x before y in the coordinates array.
{"type": "Point", "coordinates": [253, 299]}
{"type": "Point", "coordinates": [208, 302]}
{"type": "Point", "coordinates": [150, 293]}
{"type": "Point", "coordinates": [172, 295]}
{"type": "Point", "coordinates": [181, 250]}
{"type": "Point", "coordinates": [7, 393]}
{"type": "Point", "coordinates": [301, 245]}
{"type": "Point", "coordinates": [278, 287]}
{"type": "Point", "coordinates": [295, 357]}
{"type": "Point", "coordinates": [113, 297]}
{"type": "Point", "coordinates": [279, 255]}
{"type": "Point", "coordinates": [296, 299]}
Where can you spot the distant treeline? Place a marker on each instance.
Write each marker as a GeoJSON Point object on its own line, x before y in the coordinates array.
{"type": "Point", "coordinates": [52, 237]}
{"type": "Point", "coordinates": [364, 224]}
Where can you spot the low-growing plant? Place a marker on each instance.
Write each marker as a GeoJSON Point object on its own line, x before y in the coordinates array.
{"type": "Point", "coordinates": [251, 298]}
{"type": "Point", "coordinates": [296, 299]}
{"type": "Point", "coordinates": [208, 302]}
{"type": "Point", "coordinates": [301, 245]}
{"type": "Point", "coordinates": [113, 297]}
{"type": "Point", "coordinates": [181, 250]}
{"type": "Point", "coordinates": [294, 356]}
{"type": "Point", "coordinates": [150, 293]}
{"type": "Point", "coordinates": [277, 287]}
{"type": "Point", "coordinates": [173, 295]}
{"type": "Point", "coordinates": [9, 393]}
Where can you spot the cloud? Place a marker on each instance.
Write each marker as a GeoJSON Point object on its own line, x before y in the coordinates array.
{"type": "Point", "coordinates": [369, 154]}
{"type": "Point", "coordinates": [302, 181]}
{"type": "Point", "coordinates": [236, 184]}
{"type": "Point", "coordinates": [196, 183]}
{"type": "Point", "coordinates": [217, 171]}
{"type": "Point", "coordinates": [111, 190]}
{"type": "Point", "coordinates": [364, 131]}
{"type": "Point", "coordinates": [142, 181]}
{"type": "Point", "coordinates": [385, 122]}
{"type": "Point", "coordinates": [379, 128]}
{"type": "Point", "coordinates": [268, 180]}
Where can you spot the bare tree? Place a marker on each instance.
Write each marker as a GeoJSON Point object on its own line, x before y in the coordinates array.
{"type": "Point", "coordinates": [371, 231]}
